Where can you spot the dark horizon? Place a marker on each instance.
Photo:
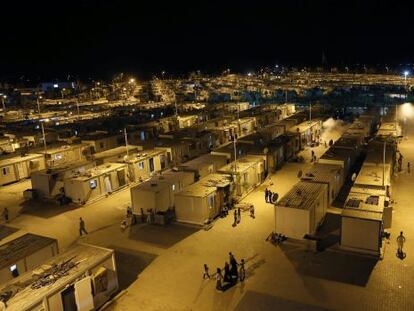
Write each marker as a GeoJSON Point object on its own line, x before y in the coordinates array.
{"type": "Point", "coordinates": [94, 39]}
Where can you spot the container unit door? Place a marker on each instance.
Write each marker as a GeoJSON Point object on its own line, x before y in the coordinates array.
{"type": "Point", "coordinates": [22, 171]}
{"type": "Point", "coordinates": [121, 177]}
{"type": "Point", "coordinates": [83, 295]}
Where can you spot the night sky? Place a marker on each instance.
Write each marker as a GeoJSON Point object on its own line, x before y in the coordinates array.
{"type": "Point", "coordinates": [98, 38]}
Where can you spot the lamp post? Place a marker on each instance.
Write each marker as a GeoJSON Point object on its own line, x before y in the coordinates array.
{"type": "Point", "coordinates": [38, 103]}
{"type": "Point", "coordinates": [405, 78]}
{"type": "Point", "coordinates": [3, 98]}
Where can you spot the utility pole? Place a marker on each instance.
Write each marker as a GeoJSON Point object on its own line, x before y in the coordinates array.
{"type": "Point", "coordinates": [3, 98]}
{"type": "Point", "coordinates": [383, 163]}
{"type": "Point", "coordinates": [44, 140]}
{"type": "Point", "coordinates": [126, 141]}
{"type": "Point", "coordinates": [235, 155]}
{"type": "Point", "coordinates": [310, 112]}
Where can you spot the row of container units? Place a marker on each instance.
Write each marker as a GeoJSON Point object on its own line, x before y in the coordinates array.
{"type": "Point", "coordinates": [115, 154]}
{"type": "Point", "coordinates": [157, 194]}
{"type": "Point", "coordinates": [300, 212]}
{"type": "Point", "coordinates": [97, 182]}
{"type": "Point", "coordinates": [204, 165]}
{"type": "Point", "coordinates": [84, 278]}
{"type": "Point", "coordinates": [247, 173]}
{"type": "Point", "coordinates": [24, 254]}
{"type": "Point", "coordinates": [20, 167]}
{"type": "Point", "coordinates": [203, 201]}
{"type": "Point", "coordinates": [48, 183]}
{"type": "Point", "coordinates": [339, 156]}
{"type": "Point", "coordinates": [309, 132]}
{"type": "Point", "coordinates": [101, 141]}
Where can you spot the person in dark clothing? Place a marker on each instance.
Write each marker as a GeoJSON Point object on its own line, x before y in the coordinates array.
{"type": "Point", "coordinates": [206, 274]}
{"type": "Point", "coordinates": [267, 195]}
{"type": "Point", "coordinates": [238, 215]}
{"type": "Point", "coordinates": [6, 214]}
{"type": "Point", "coordinates": [227, 276]}
{"type": "Point", "coordinates": [234, 264]}
{"type": "Point", "coordinates": [408, 167]}
{"type": "Point", "coordinates": [82, 229]}
{"type": "Point", "coordinates": [219, 279]}
{"type": "Point", "coordinates": [235, 217]}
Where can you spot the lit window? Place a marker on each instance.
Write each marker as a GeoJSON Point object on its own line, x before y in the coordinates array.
{"type": "Point", "coordinates": [173, 187]}
{"type": "Point", "coordinates": [58, 156]}
{"type": "Point", "coordinates": [141, 165]}
{"type": "Point", "coordinates": [93, 183]}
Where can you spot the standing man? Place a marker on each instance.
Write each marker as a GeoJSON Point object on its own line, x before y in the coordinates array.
{"type": "Point", "coordinates": [235, 217]}
{"type": "Point", "coordinates": [267, 195]}
{"type": "Point", "coordinates": [82, 229]}
{"type": "Point", "coordinates": [206, 274]}
{"type": "Point", "coordinates": [238, 215]}
{"type": "Point", "coordinates": [6, 215]}
{"type": "Point", "coordinates": [400, 242]}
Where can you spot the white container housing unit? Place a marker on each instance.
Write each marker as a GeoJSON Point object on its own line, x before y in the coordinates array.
{"type": "Point", "coordinates": [145, 164]}
{"type": "Point", "coordinates": [157, 194]}
{"type": "Point", "coordinates": [203, 201]}
{"type": "Point", "coordinates": [300, 212]}
{"type": "Point", "coordinates": [329, 174]}
{"type": "Point", "coordinates": [48, 183]}
{"type": "Point", "coordinates": [20, 167]}
{"type": "Point", "coordinates": [204, 165]}
{"type": "Point", "coordinates": [96, 182]}
{"type": "Point", "coordinates": [82, 278]}
{"type": "Point", "coordinates": [24, 254]}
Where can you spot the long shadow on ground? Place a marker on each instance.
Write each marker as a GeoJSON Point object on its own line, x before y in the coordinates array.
{"type": "Point", "coordinates": [263, 302]}
{"type": "Point", "coordinates": [130, 264]}
{"type": "Point", "coordinates": [334, 266]}
{"type": "Point", "coordinates": [161, 236]}
{"type": "Point", "coordinates": [5, 231]}
{"type": "Point", "coordinates": [46, 209]}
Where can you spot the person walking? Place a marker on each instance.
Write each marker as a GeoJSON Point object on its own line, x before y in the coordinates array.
{"type": "Point", "coordinates": [400, 242]}
{"type": "Point", "coordinates": [206, 275]}
{"type": "Point", "coordinates": [82, 229]}
{"type": "Point", "coordinates": [242, 271]}
{"type": "Point", "coordinates": [219, 280]}
{"type": "Point", "coordinates": [235, 217]}
{"type": "Point", "coordinates": [267, 195]}
{"type": "Point", "coordinates": [252, 211]}
{"type": "Point", "coordinates": [6, 215]}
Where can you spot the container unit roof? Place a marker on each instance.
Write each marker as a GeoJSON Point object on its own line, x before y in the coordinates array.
{"type": "Point", "coordinates": [18, 159]}
{"type": "Point", "coordinates": [216, 180]}
{"type": "Point", "coordinates": [304, 126]}
{"type": "Point", "coordinates": [339, 154]}
{"type": "Point", "coordinates": [373, 176]}
{"type": "Point", "coordinates": [21, 247]}
{"type": "Point", "coordinates": [115, 152]}
{"type": "Point", "coordinates": [302, 196]}
{"type": "Point", "coordinates": [359, 214]}
{"type": "Point", "coordinates": [241, 166]}
{"type": "Point", "coordinates": [359, 201]}
{"type": "Point", "coordinates": [348, 141]}
{"type": "Point", "coordinates": [367, 191]}
{"type": "Point", "coordinates": [52, 150]}
{"type": "Point", "coordinates": [206, 159]}
{"type": "Point", "coordinates": [24, 296]}
{"type": "Point", "coordinates": [197, 190]}
{"type": "Point", "coordinates": [142, 155]}
{"type": "Point", "coordinates": [99, 170]}
{"type": "Point", "coordinates": [322, 172]}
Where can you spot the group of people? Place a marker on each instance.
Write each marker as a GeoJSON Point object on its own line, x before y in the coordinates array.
{"type": "Point", "coordinates": [232, 272]}
{"type": "Point", "coordinates": [270, 196]}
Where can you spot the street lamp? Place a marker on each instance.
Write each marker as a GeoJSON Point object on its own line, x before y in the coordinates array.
{"type": "Point", "coordinates": [406, 73]}
{"type": "Point", "coordinates": [3, 98]}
